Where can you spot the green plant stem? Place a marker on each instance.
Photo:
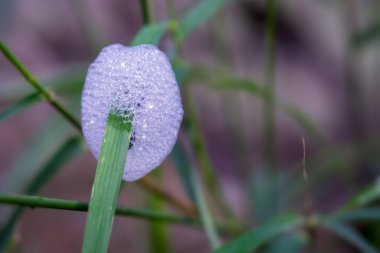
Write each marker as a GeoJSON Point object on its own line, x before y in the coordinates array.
{"type": "Point", "coordinates": [202, 156]}
{"type": "Point", "coordinates": [106, 187]}
{"type": "Point", "coordinates": [146, 11]}
{"type": "Point", "coordinates": [48, 95]}
{"type": "Point", "coordinates": [158, 231]}
{"type": "Point", "coordinates": [72, 205]}
{"type": "Point", "coordinates": [199, 148]}
{"type": "Point", "coordinates": [197, 194]}
{"type": "Point", "coordinates": [205, 215]}
{"type": "Point", "coordinates": [269, 140]}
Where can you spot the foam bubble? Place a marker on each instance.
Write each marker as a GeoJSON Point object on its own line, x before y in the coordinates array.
{"type": "Point", "coordinates": [139, 80]}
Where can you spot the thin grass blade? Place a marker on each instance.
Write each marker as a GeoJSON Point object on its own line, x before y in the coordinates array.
{"type": "Point", "coordinates": [106, 185]}
{"type": "Point", "coordinates": [183, 167]}
{"type": "Point", "coordinates": [150, 34]}
{"type": "Point", "coordinates": [366, 214]}
{"type": "Point", "coordinates": [365, 197]}
{"type": "Point", "coordinates": [255, 238]}
{"type": "Point", "coordinates": [350, 235]}
{"type": "Point", "coordinates": [158, 231]}
{"type": "Point", "coordinates": [198, 15]}
{"type": "Point", "coordinates": [294, 243]}
{"type": "Point", "coordinates": [21, 105]}
{"type": "Point", "coordinates": [195, 192]}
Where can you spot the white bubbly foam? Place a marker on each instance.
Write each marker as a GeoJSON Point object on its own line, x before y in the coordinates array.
{"type": "Point", "coordinates": [138, 80]}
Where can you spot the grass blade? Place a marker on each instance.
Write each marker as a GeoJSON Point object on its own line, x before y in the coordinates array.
{"type": "Point", "coordinates": [158, 232]}
{"type": "Point", "coordinates": [150, 34]}
{"type": "Point", "coordinates": [365, 197]}
{"type": "Point", "coordinates": [350, 235]}
{"type": "Point", "coordinates": [67, 152]}
{"type": "Point", "coordinates": [106, 185]}
{"type": "Point", "coordinates": [63, 204]}
{"type": "Point", "coordinates": [197, 16]}
{"type": "Point", "coordinates": [293, 243]}
{"type": "Point", "coordinates": [195, 192]}
{"type": "Point", "coordinates": [255, 238]}
{"type": "Point", "coordinates": [183, 167]}
{"type": "Point", "coordinates": [269, 117]}
{"type": "Point", "coordinates": [367, 214]}
{"type": "Point", "coordinates": [303, 121]}
{"type": "Point", "coordinates": [205, 214]}
{"type": "Point", "coordinates": [20, 105]}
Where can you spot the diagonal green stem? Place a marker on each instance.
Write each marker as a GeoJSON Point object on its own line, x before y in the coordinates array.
{"type": "Point", "coordinates": [196, 193]}
{"type": "Point", "coordinates": [105, 191]}
{"type": "Point", "coordinates": [36, 201]}
{"type": "Point", "coordinates": [269, 151]}
{"type": "Point", "coordinates": [205, 215]}
{"type": "Point", "coordinates": [20, 105]}
{"type": "Point", "coordinates": [48, 96]}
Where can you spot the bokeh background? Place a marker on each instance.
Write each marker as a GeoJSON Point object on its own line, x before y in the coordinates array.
{"type": "Point", "coordinates": [326, 83]}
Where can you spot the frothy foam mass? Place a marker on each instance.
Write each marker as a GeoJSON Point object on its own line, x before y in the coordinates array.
{"type": "Point", "coordinates": [133, 82]}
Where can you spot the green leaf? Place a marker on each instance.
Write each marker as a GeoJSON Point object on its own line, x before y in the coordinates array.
{"type": "Point", "coordinates": [349, 235]}
{"type": "Point", "coordinates": [365, 197]}
{"type": "Point", "coordinates": [65, 153]}
{"type": "Point", "coordinates": [199, 14]}
{"type": "Point", "coordinates": [264, 189]}
{"type": "Point", "coordinates": [255, 238]}
{"type": "Point", "coordinates": [181, 70]}
{"type": "Point", "coordinates": [195, 191]}
{"type": "Point", "coordinates": [294, 242]}
{"type": "Point", "coordinates": [21, 105]}
{"type": "Point", "coordinates": [367, 214]}
{"type": "Point", "coordinates": [106, 185]}
{"type": "Point", "coordinates": [150, 34]}
{"type": "Point", "coordinates": [205, 214]}
{"type": "Point", "coordinates": [184, 169]}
